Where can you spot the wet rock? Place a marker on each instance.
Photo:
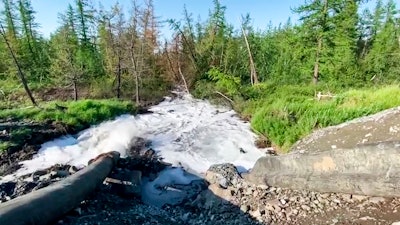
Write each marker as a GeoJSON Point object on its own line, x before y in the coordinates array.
{"type": "Point", "coordinates": [59, 174]}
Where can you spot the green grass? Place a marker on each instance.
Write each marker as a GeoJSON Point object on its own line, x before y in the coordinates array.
{"type": "Point", "coordinates": [78, 114]}
{"type": "Point", "coordinates": [4, 145]}
{"type": "Point", "coordinates": [291, 112]}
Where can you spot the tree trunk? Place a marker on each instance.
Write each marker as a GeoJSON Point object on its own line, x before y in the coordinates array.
{"type": "Point", "coordinates": [75, 90]}
{"type": "Point", "coordinates": [316, 64]}
{"type": "Point", "coordinates": [20, 73]}
{"type": "Point", "coordinates": [137, 88]}
{"type": "Point", "coordinates": [135, 72]}
{"type": "Point", "coordinates": [46, 205]}
{"type": "Point", "coordinates": [170, 61]}
{"type": "Point", "coordinates": [253, 72]}
{"type": "Point", "coordinates": [183, 78]}
{"type": "Point", "coordinates": [119, 78]}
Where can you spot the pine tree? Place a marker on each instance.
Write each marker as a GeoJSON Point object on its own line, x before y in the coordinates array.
{"type": "Point", "coordinates": [381, 62]}
{"type": "Point", "coordinates": [343, 63]}
{"type": "Point", "coordinates": [111, 32]}
{"type": "Point", "coordinates": [317, 28]}
{"type": "Point", "coordinates": [35, 57]}
{"type": "Point", "coordinates": [65, 66]}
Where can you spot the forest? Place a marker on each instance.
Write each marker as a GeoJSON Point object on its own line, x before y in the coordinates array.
{"type": "Point", "coordinates": [338, 62]}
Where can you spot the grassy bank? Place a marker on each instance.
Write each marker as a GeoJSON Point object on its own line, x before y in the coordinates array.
{"type": "Point", "coordinates": [284, 114]}
{"type": "Point", "coordinates": [73, 115]}
{"type": "Point", "coordinates": [77, 114]}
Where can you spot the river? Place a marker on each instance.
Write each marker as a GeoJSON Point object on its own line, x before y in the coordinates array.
{"type": "Point", "coordinates": [191, 134]}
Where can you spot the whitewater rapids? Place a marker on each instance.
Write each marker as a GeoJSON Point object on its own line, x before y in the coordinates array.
{"type": "Point", "coordinates": [189, 133]}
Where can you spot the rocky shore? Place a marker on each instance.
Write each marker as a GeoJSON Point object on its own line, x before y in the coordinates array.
{"type": "Point", "coordinates": [225, 198]}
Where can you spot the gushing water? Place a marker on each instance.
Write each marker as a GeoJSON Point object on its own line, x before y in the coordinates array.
{"type": "Point", "coordinates": [184, 131]}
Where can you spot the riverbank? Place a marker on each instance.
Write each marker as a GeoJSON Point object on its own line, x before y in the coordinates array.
{"type": "Point", "coordinates": [23, 130]}
{"type": "Point", "coordinates": [284, 114]}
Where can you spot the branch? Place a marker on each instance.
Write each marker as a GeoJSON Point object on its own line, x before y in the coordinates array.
{"type": "Point", "coordinates": [226, 97]}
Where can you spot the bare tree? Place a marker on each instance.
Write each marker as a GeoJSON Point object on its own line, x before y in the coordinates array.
{"type": "Point", "coordinates": [253, 72]}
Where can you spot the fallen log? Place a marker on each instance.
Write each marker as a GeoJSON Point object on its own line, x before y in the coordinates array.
{"type": "Point", "coordinates": [372, 170]}
{"type": "Point", "coordinates": [46, 205]}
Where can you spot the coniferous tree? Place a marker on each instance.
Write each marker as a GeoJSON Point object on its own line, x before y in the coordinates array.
{"type": "Point", "coordinates": [317, 29]}
{"type": "Point", "coordinates": [65, 66]}
{"type": "Point", "coordinates": [381, 62]}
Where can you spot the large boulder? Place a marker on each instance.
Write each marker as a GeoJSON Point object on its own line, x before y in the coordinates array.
{"type": "Point", "coordinates": [365, 170]}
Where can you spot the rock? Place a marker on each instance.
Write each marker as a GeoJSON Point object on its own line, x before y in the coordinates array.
{"type": "Point", "coordinates": [334, 171]}
{"type": "Point", "coordinates": [186, 217]}
{"type": "Point", "coordinates": [256, 213]}
{"type": "Point", "coordinates": [263, 187]}
{"type": "Point", "coordinates": [59, 174]}
{"type": "Point", "coordinates": [78, 211]}
{"type": "Point", "coordinates": [220, 192]}
{"type": "Point", "coordinates": [245, 208]}
{"type": "Point", "coordinates": [359, 197]}
{"type": "Point", "coordinates": [39, 173]}
{"type": "Point", "coordinates": [269, 207]}
{"type": "Point", "coordinates": [223, 174]}
{"type": "Point", "coordinates": [72, 169]}
{"type": "Point", "coordinates": [305, 207]}
{"type": "Point", "coordinates": [365, 218]}
{"type": "Point", "coordinates": [376, 200]}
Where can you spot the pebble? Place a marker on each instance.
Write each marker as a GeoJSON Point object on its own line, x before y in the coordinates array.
{"type": "Point", "coordinates": [305, 207]}
{"type": "Point", "coordinates": [245, 208]}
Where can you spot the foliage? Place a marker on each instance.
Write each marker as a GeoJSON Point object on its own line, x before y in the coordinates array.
{"type": "Point", "coordinates": [101, 53]}
{"type": "Point", "coordinates": [227, 83]}
{"type": "Point", "coordinates": [291, 112]}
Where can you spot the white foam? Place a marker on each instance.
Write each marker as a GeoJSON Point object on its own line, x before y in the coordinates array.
{"type": "Point", "coordinates": [185, 131]}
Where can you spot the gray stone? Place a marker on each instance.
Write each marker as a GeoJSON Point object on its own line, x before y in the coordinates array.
{"type": "Point", "coordinates": [223, 174]}
{"type": "Point", "coordinates": [364, 170]}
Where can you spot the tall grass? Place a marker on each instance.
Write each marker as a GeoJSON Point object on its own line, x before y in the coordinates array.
{"type": "Point", "coordinates": [291, 112]}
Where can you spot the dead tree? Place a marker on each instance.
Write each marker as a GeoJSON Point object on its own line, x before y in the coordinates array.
{"type": "Point", "coordinates": [253, 72]}
{"type": "Point", "coordinates": [20, 73]}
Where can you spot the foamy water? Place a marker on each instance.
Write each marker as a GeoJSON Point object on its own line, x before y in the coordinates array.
{"type": "Point", "coordinates": [184, 131]}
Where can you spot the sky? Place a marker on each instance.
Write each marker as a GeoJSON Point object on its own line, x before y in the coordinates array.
{"type": "Point", "coordinates": [261, 11]}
